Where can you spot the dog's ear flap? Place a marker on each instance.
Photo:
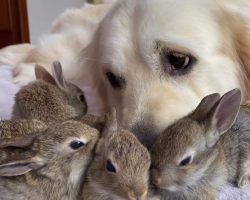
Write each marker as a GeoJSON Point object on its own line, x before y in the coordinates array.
{"type": "Point", "coordinates": [237, 16]}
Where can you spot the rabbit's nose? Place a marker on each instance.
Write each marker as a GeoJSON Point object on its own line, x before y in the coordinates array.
{"type": "Point", "coordinates": [157, 181]}
{"type": "Point", "coordinates": [133, 196]}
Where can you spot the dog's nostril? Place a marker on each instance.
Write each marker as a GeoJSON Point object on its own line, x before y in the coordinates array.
{"type": "Point", "coordinates": [146, 133]}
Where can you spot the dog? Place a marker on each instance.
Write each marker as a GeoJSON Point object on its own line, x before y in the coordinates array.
{"type": "Point", "coordinates": [155, 60]}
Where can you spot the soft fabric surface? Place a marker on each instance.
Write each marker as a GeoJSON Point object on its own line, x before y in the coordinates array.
{"type": "Point", "coordinates": [7, 93]}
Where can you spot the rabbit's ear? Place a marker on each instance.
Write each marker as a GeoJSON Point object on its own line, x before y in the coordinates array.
{"type": "Point", "coordinates": [205, 106]}
{"type": "Point", "coordinates": [110, 122]}
{"type": "Point", "coordinates": [42, 74]}
{"type": "Point", "coordinates": [21, 167]}
{"type": "Point", "coordinates": [58, 74]}
{"type": "Point", "coordinates": [222, 115]}
{"type": "Point", "coordinates": [21, 141]}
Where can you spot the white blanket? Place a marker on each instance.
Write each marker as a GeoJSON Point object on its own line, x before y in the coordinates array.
{"type": "Point", "coordinates": [7, 93]}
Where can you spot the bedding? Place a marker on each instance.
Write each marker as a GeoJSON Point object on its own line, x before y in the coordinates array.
{"type": "Point", "coordinates": [7, 92]}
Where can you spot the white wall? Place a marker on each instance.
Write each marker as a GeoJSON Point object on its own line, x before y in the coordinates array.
{"type": "Point", "coordinates": [43, 12]}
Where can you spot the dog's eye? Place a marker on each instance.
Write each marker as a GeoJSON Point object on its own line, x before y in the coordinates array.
{"type": "Point", "coordinates": [186, 161]}
{"type": "Point", "coordinates": [115, 81]}
{"type": "Point", "coordinates": [177, 63]}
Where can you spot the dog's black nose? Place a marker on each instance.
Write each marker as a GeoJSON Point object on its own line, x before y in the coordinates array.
{"type": "Point", "coordinates": [145, 132]}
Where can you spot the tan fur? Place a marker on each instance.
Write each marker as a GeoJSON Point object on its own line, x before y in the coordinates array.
{"type": "Point", "coordinates": [69, 34]}
{"type": "Point", "coordinates": [14, 54]}
{"type": "Point", "coordinates": [131, 160]}
{"type": "Point", "coordinates": [56, 170]}
{"type": "Point", "coordinates": [16, 129]}
{"type": "Point", "coordinates": [49, 99]}
{"type": "Point", "coordinates": [153, 99]}
{"type": "Point", "coordinates": [216, 32]}
{"type": "Point", "coordinates": [219, 154]}
{"type": "Point", "coordinates": [20, 127]}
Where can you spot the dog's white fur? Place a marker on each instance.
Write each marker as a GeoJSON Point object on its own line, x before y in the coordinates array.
{"type": "Point", "coordinates": [216, 32]}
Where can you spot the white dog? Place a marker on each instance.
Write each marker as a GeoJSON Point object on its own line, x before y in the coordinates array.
{"type": "Point", "coordinates": [154, 60]}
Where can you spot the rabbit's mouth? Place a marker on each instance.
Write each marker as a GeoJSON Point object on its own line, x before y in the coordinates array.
{"type": "Point", "coordinates": [172, 186]}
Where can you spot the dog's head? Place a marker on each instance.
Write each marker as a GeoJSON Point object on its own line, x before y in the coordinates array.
{"type": "Point", "coordinates": [155, 60]}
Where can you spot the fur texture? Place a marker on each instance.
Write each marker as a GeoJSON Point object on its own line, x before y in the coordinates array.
{"type": "Point", "coordinates": [50, 98]}
{"type": "Point", "coordinates": [134, 41]}
{"type": "Point", "coordinates": [198, 154]}
{"type": "Point", "coordinates": [49, 168]}
{"type": "Point", "coordinates": [120, 168]}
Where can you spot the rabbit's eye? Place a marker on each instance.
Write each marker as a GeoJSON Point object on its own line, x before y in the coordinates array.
{"type": "Point", "coordinates": [76, 144]}
{"type": "Point", "coordinates": [110, 167]}
{"type": "Point", "coordinates": [186, 161]}
{"type": "Point", "coordinates": [82, 98]}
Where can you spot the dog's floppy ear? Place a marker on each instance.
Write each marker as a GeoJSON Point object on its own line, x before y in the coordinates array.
{"type": "Point", "coordinates": [238, 18]}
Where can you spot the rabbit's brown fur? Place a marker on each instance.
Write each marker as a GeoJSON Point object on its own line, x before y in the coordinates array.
{"type": "Point", "coordinates": [49, 99]}
{"type": "Point", "coordinates": [56, 171]}
{"type": "Point", "coordinates": [20, 127]}
{"type": "Point", "coordinates": [199, 153]}
{"type": "Point", "coordinates": [130, 159]}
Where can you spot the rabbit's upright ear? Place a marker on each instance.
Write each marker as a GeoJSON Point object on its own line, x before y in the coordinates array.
{"type": "Point", "coordinates": [206, 104]}
{"type": "Point", "coordinates": [58, 74]}
{"type": "Point", "coordinates": [222, 115]}
{"type": "Point", "coordinates": [18, 141]}
{"type": "Point", "coordinates": [21, 167]}
{"type": "Point", "coordinates": [110, 122]}
{"type": "Point", "coordinates": [42, 74]}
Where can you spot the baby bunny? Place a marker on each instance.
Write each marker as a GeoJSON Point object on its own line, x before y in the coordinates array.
{"type": "Point", "coordinates": [199, 153]}
{"type": "Point", "coordinates": [49, 99]}
{"type": "Point", "coordinates": [56, 166]}
{"type": "Point", "coordinates": [120, 168]}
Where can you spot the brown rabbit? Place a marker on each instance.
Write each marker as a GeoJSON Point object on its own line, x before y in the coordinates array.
{"type": "Point", "coordinates": [49, 99]}
{"type": "Point", "coordinates": [56, 166]}
{"type": "Point", "coordinates": [199, 153]}
{"type": "Point", "coordinates": [120, 167]}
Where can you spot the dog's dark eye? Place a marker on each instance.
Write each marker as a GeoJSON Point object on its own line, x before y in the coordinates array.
{"type": "Point", "coordinates": [186, 161]}
{"type": "Point", "coordinates": [82, 98]}
{"type": "Point", "coordinates": [115, 81]}
{"type": "Point", "coordinates": [177, 63]}
{"type": "Point", "coordinates": [76, 144]}
{"type": "Point", "coordinates": [110, 167]}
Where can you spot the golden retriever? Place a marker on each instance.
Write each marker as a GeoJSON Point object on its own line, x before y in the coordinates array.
{"type": "Point", "coordinates": [155, 60]}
